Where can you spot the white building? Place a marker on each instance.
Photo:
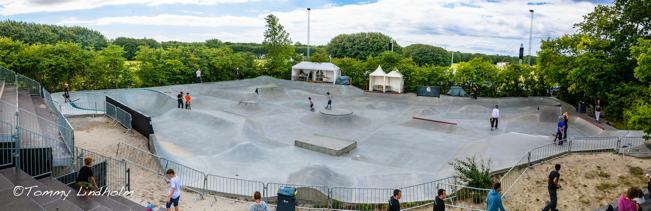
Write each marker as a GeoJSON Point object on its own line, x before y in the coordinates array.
{"type": "Point", "coordinates": [380, 81]}
{"type": "Point", "coordinates": [316, 72]}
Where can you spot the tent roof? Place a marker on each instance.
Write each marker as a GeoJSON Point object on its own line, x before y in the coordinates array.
{"type": "Point", "coordinates": [378, 72]}
{"type": "Point", "coordinates": [316, 66]}
{"type": "Point", "coordinates": [395, 74]}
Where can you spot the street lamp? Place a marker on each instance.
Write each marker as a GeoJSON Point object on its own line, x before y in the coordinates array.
{"type": "Point", "coordinates": [308, 33]}
{"type": "Point", "coordinates": [530, 33]}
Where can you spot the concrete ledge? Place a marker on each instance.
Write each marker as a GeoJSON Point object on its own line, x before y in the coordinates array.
{"type": "Point", "coordinates": [336, 112]}
{"type": "Point", "coordinates": [327, 145]}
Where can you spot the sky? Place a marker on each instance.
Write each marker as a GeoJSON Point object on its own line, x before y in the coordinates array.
{"type": "Point", "coordinates": [476, 26]}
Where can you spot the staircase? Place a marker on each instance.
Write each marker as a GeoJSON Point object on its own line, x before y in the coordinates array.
{"type": "Point", "coordinates": [10, 178]}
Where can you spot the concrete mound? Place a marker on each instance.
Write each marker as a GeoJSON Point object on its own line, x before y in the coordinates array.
{"type": "Point", "coordinates": [271, 93]}
{"type": "Point", "coordinates": [243, 151]}
{"type": "Point", "coordinates": [319, 175]}
{"type": "Point", "coordinates": [549, 113]}
{"type": "Point", "coordinates": [152, 103]}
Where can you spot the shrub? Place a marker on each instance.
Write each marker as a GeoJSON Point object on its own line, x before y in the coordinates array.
{"type": "Point", "coordinates": [473, 172]}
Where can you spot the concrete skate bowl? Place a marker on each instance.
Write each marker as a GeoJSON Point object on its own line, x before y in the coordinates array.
{"type": "Point", "coordinates": [199, 132]}
{"type": "Point", "coordinates": [337, 118]}
{"type": "Point", "coordinates": [549, 113]}
{"type": "Point", "coordinates": [150, 102]}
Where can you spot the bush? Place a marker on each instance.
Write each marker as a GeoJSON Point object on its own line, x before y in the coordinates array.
{"type": "Point", "coordinates": [473, 172]}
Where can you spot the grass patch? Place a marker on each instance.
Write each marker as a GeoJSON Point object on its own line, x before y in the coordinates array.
{"type": "Point", "coordinates": [635, 171]}
{"type": "Point", "coordinates": [605, 186]}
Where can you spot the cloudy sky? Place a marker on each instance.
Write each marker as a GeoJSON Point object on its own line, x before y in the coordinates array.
{"type": "Point", "coordinates": [483, 26]}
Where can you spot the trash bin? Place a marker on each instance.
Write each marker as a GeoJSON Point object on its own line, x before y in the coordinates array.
{"type": "Point", "coordinates": [580, 107]}
{"type": "Point", "coordinates": [286, 199]}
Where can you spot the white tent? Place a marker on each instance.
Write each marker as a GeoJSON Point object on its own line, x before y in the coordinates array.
{"type": "Point", "coordinates": [377, 80]}
{"type": "Point", "coordinates": [313, 71]}
{"type": "Point", "coordinates": [395, 81]}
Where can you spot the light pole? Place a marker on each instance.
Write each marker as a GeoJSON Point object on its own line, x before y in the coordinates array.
{"type": "Point", "coordinates": [452, 60]}
{"type": "Point", "coordinates": [530, 33]}
{"type": "Point", "coordinates": [308, 33]}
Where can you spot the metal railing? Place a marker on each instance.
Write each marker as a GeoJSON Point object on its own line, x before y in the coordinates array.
{"type": "Point", "coordinates": [574, 145]}
{"type": "Point", "coordinates": [116, 171]}
{"type": "Point", "coordinates": [118, 115]}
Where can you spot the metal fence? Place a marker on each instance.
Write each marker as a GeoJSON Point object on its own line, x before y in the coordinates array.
{"type": "Point", "coordinates": [118, 115]}
{"type": "Point", "coordinates": [116, 171]}
{"type": "Point", "coordinates": [575, 144]}
{"type": "Point", "coordinates": [25, 83]}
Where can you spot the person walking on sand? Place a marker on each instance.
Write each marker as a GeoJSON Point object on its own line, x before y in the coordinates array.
{"type": "Point", "coordinates": [259, 205]}
{"type": "Point", "coordinates": [187, 101]}
{"type": "Point", "coordinates": [179, 99]}
{"type": "Point", "coordinates": [597, 110]}
{"type": "Point", "coordinates": [329, 106]}
{"type": "Point", "coordinates": [311, 104]}
{"type": "Point", "coordinates": [174, 193]}
{"type": "Point", "coordinates": [552, 186]}
{"type": "Point", "coordinates": [495, 116]}
{"type": "Point", "coordinates": [198, 75]}
{"type": "Point", "coordinates": [439, 202]}
{"type": "Point", "coordinates": [494, 200]}
{"type": "Point", "coordinates": [394, 201]}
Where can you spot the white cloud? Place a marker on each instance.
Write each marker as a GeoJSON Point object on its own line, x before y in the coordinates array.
{"type": "Point", "coordinates": [468, 26]}
{"type": "Point", "coordinates": [14, 7]}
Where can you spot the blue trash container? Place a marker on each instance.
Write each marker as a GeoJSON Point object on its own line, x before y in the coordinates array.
{"type": "Point", "coordinates": [286, 199]}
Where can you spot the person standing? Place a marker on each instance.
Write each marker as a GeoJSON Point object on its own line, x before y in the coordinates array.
{"type": "Point", "coordinates": [560, 128]}
{"type": "Point", "coordinates": [174, 193]}
{"type": "Point", "coordinates": [495, 116]}
{"type": "Point", "coordinates": [494, 200]}
{"type": "Point", "coordinates": [648, 181]}
{"type": "Point", "coordinates": [475, 91]}
{"type": "Point", "coordinates": [187, 101]}
{"type": "Point", "coordinates": [198, 75]}
{"type": "Point", "coordinates": [179, 99]}
{"type": "Point", "coordinates": [311, 104]}
{"type": "Point", "coordinates": [597, 110]}
{"type": "Point", "coordinates": [66, 93]}
{"type": "Point", "coordinates": [566, 119]}
{"type": "Point", "coordinates": [439, 202]}
{"type": "Point", "coordinates": [552, 186]}
{"type": "Point", "coordinates": [329, 106]}
{"type": "Point", "coordinates": [259, 205]}
{"type": "Point", "coordinates": [394, 202]}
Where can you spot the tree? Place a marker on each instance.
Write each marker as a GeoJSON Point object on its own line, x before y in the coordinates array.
{"type": "Point", "coordinates": [131, 45]}
{"type": "Point", "coordinates": [278, 46]}
{"type": "Point", "coordinates": [32, 33]}
{"type": "Point", "coordinates": [108, 70]}
{"type": "Point", "coordinates": [361, 45]}
{"type": "Point", "coordinates": [427, 54]}
{"type": "Point", "coordinates": [480, 72]}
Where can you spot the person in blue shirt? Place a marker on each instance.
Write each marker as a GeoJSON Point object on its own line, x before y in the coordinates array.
{"type": "Point", "coordinates": [560, 128]}
{"type": "Point", "coordinates": [494, 200]}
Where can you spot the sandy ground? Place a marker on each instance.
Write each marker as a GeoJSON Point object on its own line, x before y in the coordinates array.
{"type": "Point", "coordinates": [101, 136]}
{"type": "Point", "coordinates": [588, 181]}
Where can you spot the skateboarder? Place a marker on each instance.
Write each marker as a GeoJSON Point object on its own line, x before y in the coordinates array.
{"type": "Point", "coordinates": [198, 73]}
{"type": "Point", "coordinates": [495, 116]}
{"type": "Point", "coordinates": [597, 110]}
{"type": "Point", "coordinates": [66, 93]}
{"type": "Point", "coordinates": [329, 106]}
{"type": "Point", "coordinates": [559, 131]}
{"type": "Point", "coordinates": [187, 101]}
{"type": "Point", "coordinates": [179, 98]}
{"type": "Point", "coordinates": [566, 119]}
{"type": "Point", "coordinates": [311, 104]}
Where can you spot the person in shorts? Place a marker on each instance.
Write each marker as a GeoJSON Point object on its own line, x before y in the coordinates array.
{"type": "Point", "coordinates": [174, 191]}
{"type": "Point", "coordinates": [85, 178]}
{"type": "Point", "coordinates": [329, 106]}
{"type": "Point", "coordinates": [187, 101]}
{"type": "Point", "coordinates": [311, 104]}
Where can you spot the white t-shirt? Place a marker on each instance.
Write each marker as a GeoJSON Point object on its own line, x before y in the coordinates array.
{"type": "Point", "coordinates": [198, 73]}
{"type": "Point", "coordinates": [496, 113]}
{"type": "Point", "coordinates": [175, 186]}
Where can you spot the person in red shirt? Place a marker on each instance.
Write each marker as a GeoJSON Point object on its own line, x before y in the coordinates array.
{"type": "Point", "coordinates": [187, 101]}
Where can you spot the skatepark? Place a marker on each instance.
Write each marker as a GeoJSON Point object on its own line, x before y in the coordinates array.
{"type": "Point", "coordinates": [367, 140]}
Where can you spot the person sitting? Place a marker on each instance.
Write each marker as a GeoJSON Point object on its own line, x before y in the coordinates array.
{"type": "Point", "coordinates": [626, 202]}
{"type": "Point", "coordinates": [85, 178]}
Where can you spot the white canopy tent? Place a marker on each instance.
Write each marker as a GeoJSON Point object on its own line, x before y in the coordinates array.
{"type": "Point", "coordinates": [314, 71]}
{"type": "Point", "coordinates": [377, 80]}
{"type": "Point", "coordinates": [395, 81]}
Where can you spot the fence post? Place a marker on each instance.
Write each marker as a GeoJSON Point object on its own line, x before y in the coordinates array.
{"type": "Point", "coordinates": [529, 158]}
{"type": "Point", "coordinates": [128, 177]}
{"type": "Point", "coordinates": [205, 185]}
{"type": "Point", "coordinates": [330, 198]}
{"type": "Point", "coordinates": [619, 144]}
{"type": "Point", "coordinates": [95, 111]}
{"type": "Point", "coordinates": [569, 149]}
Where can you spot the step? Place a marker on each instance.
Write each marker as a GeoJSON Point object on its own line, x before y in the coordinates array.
{"type": "Point", "coordinates": [61, 205]}
{"type": "Point", "coordinates": [131, 204]}
{"type": "Point", "coordinates": [86, 204]}
{"type": "Point", "coordinates": [5, 183]}
{"type": "Point", "coordinates": [10, 202]}
{"type": "Point", "coordinates": [21, 178]}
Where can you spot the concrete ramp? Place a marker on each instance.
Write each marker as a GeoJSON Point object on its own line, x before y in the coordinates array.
{"type": "Point", "coordinates": [271, 93]}
{"type": "Point", "coordinates": [582, 127]}
{"type": "Point", "coordinates": [326, 144]}
{"type": "Point", "coordinates": [150, 102]}
{"type": "Point", "coordinates": [549, 113]}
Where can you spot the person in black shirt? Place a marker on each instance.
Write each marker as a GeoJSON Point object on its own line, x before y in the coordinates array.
{"type": "Point", "coordinates": [179, 98]}
{"type": "Point", "coordinates": [394, 202]}
{"type": "Point", "coordinates": [566, 119]}
{"type": "Point", "coordinates": [552, 186]}
{"type": "Point", "coordinates": [439, 204]}
{"type": "Point", "coordinates": [85, 177]}
{"type": "Point", "coordinates": [311, 104]}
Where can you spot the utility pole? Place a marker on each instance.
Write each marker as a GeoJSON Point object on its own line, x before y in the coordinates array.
{"type": "Point", "coordinates": [452, 61]}
{"type": "Point", "coordinates": [308, 34]}
{"type": "Point", "coordinates": [530, 36]}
